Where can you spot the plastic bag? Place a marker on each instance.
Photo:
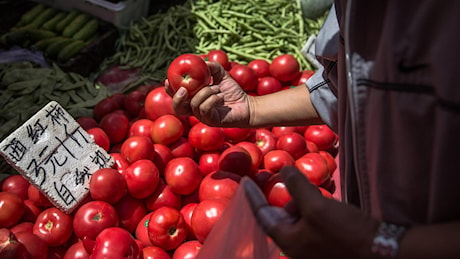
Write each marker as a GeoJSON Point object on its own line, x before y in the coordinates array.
{"type": "Point", "coordinates": [237, 235]}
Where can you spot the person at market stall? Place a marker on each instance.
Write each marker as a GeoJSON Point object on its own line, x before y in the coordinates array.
{"type": "Point", "coordinates": [389, 88]}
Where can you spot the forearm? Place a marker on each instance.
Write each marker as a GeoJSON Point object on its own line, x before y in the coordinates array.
{"type": "Point", "coordinates": [431, 241]}
{"type": "Point", "coordinates": [290, 107]}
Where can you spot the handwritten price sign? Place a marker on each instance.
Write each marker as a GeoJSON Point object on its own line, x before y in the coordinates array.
{"type": "Point", "coordinates": [56, 155]}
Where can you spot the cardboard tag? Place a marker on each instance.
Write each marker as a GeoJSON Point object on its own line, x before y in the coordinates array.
{"type": "Point", "coordinates": [56, 155]}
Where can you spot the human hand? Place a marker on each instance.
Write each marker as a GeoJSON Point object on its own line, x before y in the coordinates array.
{"type": "Point", "coordinates": [312, 226]}
{"type": "Point", "coordinates": [224, 103]}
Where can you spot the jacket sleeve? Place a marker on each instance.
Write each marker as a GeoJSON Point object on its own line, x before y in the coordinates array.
{"type": "Point", "coordinates": [322, 85]}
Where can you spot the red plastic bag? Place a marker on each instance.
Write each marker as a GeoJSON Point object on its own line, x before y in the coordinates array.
{"type": "Point", "coordinates": [237, 235]}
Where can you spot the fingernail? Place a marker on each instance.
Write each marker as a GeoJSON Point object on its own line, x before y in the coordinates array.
{"type": "Point", "coordinates": [181, 92]}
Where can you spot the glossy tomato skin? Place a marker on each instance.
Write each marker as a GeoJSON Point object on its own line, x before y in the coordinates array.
{"type": "Point", "coordinates": [141, 178]}
{"type": "Point", "coordinates": [100, 137]}
{"type": "Point", "coordinates": [260, 67]}
{"type": "Point", "coordinates": [236, 159]}
{"type": "Point", "coordinates": [76, 251]}
{"type": "Point", "coordinates": [182, 175]}
{"type": "Point", "coordinates": [87, 122]}
{"type": "Point", "coordinates": [53, 226]}
{"type": "Point", "coordinates": [235, 134]}
{"type": "Point", "coordinates": [279, 131]}
{"type": "Point", "coordinates": [268, 85]}
{"type": "Point", "coordinates": [115, 242]}
{"type": "Point", "coordinates": [187, 250]}
{"type": "Point", "coordinates": [245, 77]}
{"type": "Point", "coordinates": [187, 212]}
{"type": "Point", "coordinates": [120, 162]}
{"type": "Point", "coordinates": [141, 233]}
{"type": "Point", "coordinates": [265, 140]}
{"type": "Point", "coordinates": [182, 148]}
{"type": "Point", "coordinates": [166, 129]}
{"type": "Point", "coordinates": [285, 67]}
{"type": "Point", "coordinates": [167, 228]}
{"type": "Point", "coordinates": [314, 167]}
{"type": "Point", "coordinates": [130, 211]}
{"type": "Point", "coordinates": [141, 126]}
{"type": "Point", "coordinates": [163, 155]}
{"type": "Point", "coordinates": [218, 185]}
{"type": "Point", "coordinates": [16, 184]}
{"type": "Point", "coordinates": [93, 217]}
{"type": "Point", "coordinates": [154, 252]}
{"type": "Point", "coordinates": [294, 143]}
{"type": "Point", "coordinates": [254, 152]}
{"type": "Point", "coordinates": [205, 216]}
{"type": "Point", "coordinates": [158, 103]}
{"type": "Point", "coordinates": [133, 102]}
{"type": "Point", "coordinates": [11, 209]}
{"type": "Point", "coordinates": [38, 197]}
{"type": "Point", "coordinates": [163, 196]}
{"type": "Point", "coordinates": [206, 138]}
{"type": "Point", "coordinates": [277, 159]}
{"type": "Point", "coordinates": [189, 71]}
{"type": "Point", "coordinates": [115, 125]}
{"type": "Point", "coordinates": [137, 147]}
{"type": "Point", "coordinates": [276, 191]}
{"type": "Point", "coordinates": [302, 78]}
{"type": "Point", "coordinates": [321, 135]}
{"type": "Point", "coordinates": [108, 185]}
{"type": "Point", "coordinates": [105, 106]}
{"type": "Point", "coordinates": [219, 56]}
{"type": "Point", "coordinates": [208, 162]}
{"type": "Point", "coordinates": [31, 211]}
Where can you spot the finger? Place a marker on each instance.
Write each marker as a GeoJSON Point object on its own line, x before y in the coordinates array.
{"type": "Point", "coordinates": [217, 71]}
{"type": "Point", "coordinates": [168, 89]}
{"type": "Point", "coordinates": [304, 194]}
{"type": "Point", "coordinates": [255, 196]}
{"type": "Point", "coordinates": [180, 103]}
{"type": "Point", "coordinates": [200, 97]}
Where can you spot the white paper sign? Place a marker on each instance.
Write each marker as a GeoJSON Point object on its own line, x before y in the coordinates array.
{"type": "Point", "coordinates": [56, 155]}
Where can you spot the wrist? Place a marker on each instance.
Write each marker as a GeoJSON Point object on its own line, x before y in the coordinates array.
{"type": "Point", "coordinates": [386, 241]}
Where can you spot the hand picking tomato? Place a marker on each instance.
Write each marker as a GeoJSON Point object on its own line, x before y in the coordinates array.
{"type": "Point", "coordinates": [188, 71]}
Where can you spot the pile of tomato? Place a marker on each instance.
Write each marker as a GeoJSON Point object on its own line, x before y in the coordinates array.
{"type": "Point", "coordinates": [172, 178]}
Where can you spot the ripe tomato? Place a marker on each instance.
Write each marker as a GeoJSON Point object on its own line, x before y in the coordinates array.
{"type": "Point", "coordinates": [105, 106]}
{"type": "Point", "coordinates": [293, 143]}
{"type": "Point", "coordinates": [130, 211]}
{"type": "Point", "coordinates": [93, 217]}
{"type": "Point", "coordinates": [166, 129]}
{"type": "Point", "coordinates": [107, 185]}
{"type": "Point", "coordinates": [141, 232]}
{"type": "Point", "coordinates": [218, 185]}
{"type": "Point", "coordinates": [141, 178]}
{"type": "Point", "coordinates": [38, 197]}
{"type": "Point", "coordinates": [206, 138]}
{"type": "Point", "coordinates": [208, 162]}
{"type": "Point", "coordinates": [120, 162]}
{"type": "Point", "coordinates": [182, 148]}
{"type": "Point", "coordinates": [267, 85]}
{"type": "Point", "coordinates": [261, 176]}
{"type": "Point", "coordinates": [182, 175]}
{"type": "Point", "coordinates": [331, 163]}
{"type": "Point", "coordinates": [187, 250]}
{"type": "Point", "coordinates": [133, 102]}
{"type": "Point", "coordinates": [244, 76]}
{"type": "Point", "coordinates": [235, 159]}
{"type": "Point", "coordinates": [276, 191]}
{"type": "Point", "coordinates": [205, 216]}
{"type": "Point", "coordinates": [115, 242]}
{"type": "Point", "coordinates": [100, 137]}
{"type": "Point", "coordinates": [53, 226]}
{"type": "Point", "coordinates": [154, 252]}
{"type": "Point", "coordinates": [302, 78]}
{"type": "Point", "coordinates": [277, 159]}
{"type": "Point", "coordinates": [115, 125]}
{"type": "Point", "coordinates": [87, 122]}
{"type": "Point", "coordinates": [137, 147]}
{"type": "Point", "coordinates": [16, 184]}
{"type": "Point", "coordinates": [163, 196]}
{"type": "Point", "coordinates": [76, 251]}
{"type": "Point", "coordinates": [187, 212]}
{"type": "Point", "coordinates": [188, 71]}
{"type": "Point", "coordinates": [163, 155]}
{"type": "Point", "coordinates": [285, 67]}
{"type": "Point", "coordinates": [158, 103]}
{"type": "Point", "coordinates": [219, 56]}
{"type": "Point", "coordinates": [235, 134]}
{"type": "Point", "coordinates": [141, 127]}
{"type": "Point", "coordinates": [314, 167]}
{"type": "Point", "coordinates": [31, 211]}
{"type": "Point", "coordinates": [254, 152]}
{"type": "Point", "coordinates": [11, 209]}
{"type": "Point", "coordinates": [279, 131]}
{"type": "Point", "coordinates": [167, 228]}
{"type": "Point", "coordinates": [260, 67]}
{"type": "Point", "coordinates": [265, 140]}
{"type": "Point", "coordinates": [321, 135]}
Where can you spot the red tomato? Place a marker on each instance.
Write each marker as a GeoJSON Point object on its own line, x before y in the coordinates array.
{"type": "Point", "coordinates": [208, 162]}
{"type": "Point", "coordinates": [163, 196]}
{"type": "Point", "coordinates": [134, 102]}
{"type": "Point", "coordinates": [158, 103]}
{"type": "Point", "coordinates": [277, 159]}
{"type": "Point", "coordinates": [285, 67]}
{"type": "Point", "coordinates": [100, 137]}
{"type": "Point", "coordinates": [279, 131]}
{"type": "Point", "coordinates": [321, 135]}
{"type": "Point", "coordinates": [87, 122]}
{"type": "Point", "coordinates": [141, 178]}
{"type": "Point", "coordinates": [265, 140]}
{"type": "Point", "coordinates": [261, 176]}
{"type": "Point", "coordinates": [254, 152]}
{"type": "Point", "coordinates": [154, 252]}
{"type": "Point", "coordinates": [302, 78]}
{"type": "Point", "coordinates": [76, 251]}
{"type": "Point", "coordinates": [120, 162]}
{"type": "Point", "coordinates": [260, 67]}
{"type": "Point", "coordinates": [189, 71]}
{"type": "Point", "coordinates": [16, 184]}
{"type": "Point", "coordinates": [276, 191]}
{"type": "Point", "coordinates": [182, 175]}
{"type": "Point", "coordinates": [235, 134]}
{"type": "Point", "coordinates": [35, 246]}
{"type": "Point", "coordinates": [219, 56]}
{"type": "Point", "coordinates": [11, 209]}
{"type": "Point", "coordinates": [31, 211]}
{"type": "Point", "coordinates": [130, 211]}
{"type": "Point", "coordinates": [206, 138]}
{"type": "Point", "coordinates": [10, 247]}
{"type": "Point", "coordinates": [235, 159]}
{"type": "Point", "coordinates": [163, 155]}
{"type": "Point", "coordinates": [141, 233]}
{"type": "Point", "coordinates": [115, 125]}
{"type": "Point", "coordinates": [314, 167]}
{"type": "Point", "coordinates": [268, 85]}
{"type": "Point", "coordinates": [293, 143]}
{"type": "Point", "coordinates": [205, 216]}
{"type": "Point", "coordinates": [107, 185]}
{"type": "Point", "coordinates": [187, 250]}
{"type": "Point", "coordinates": [326, 193]}
{"type": "Point", "coordinates": [167, 228]}
{"type": "Point", "coordinates": [218, 185]}
{"type": "Point", "coordinates": [136, 148]}
{"type": "Point", "coordinates": [38, 197]}
{"type": "Point", "coordinates": [93, 217]}
{"type": "Point", "coordinates": [331, 163]}
{"type": "Point", "coordinates": [187, 212]}
{"type": "Point", "coordinates": [22, 226]}
{"type": "Point", "coordinates": [53, 226]}
{"type": "Point", "coordinates": [244, 76]}
{"type": "Point", "coordinates": [141, 127]}
{"type": "Point", "coordinates": [167, 129]}
{"type": "Point", "coordinates": [105, 106]}
{"type": "Point", "coordinates": [115, 242]}
{"type": "Point", "coordinates": [182, 148]}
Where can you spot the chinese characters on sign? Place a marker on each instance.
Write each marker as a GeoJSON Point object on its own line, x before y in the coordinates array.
{"type": "Point", "coordinates": [55, 154]}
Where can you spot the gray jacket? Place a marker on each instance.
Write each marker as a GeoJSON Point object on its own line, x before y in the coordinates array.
{"type": "Point", "coordinates": [389, 87]}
